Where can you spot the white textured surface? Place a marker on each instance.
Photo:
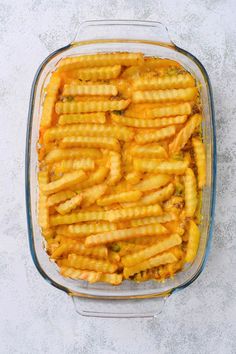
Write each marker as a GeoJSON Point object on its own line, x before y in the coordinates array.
{"type": "Point", "coordinates": [34, 316]}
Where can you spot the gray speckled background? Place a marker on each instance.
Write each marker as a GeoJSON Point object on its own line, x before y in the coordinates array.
{"type": "Point", "coordinates": [37, 318]}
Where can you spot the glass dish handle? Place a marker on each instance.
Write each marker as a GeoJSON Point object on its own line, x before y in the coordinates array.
{"type": "Point", "coordinates": [134, 308]}
{"type": "Point", "coordinates": [124, 30]}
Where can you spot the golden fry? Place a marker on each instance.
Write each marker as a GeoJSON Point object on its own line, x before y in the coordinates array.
{"type": "Point", "coordinates": [190, 187]}
{"type": "Point", "coordinates": [130, 196]}
{"type": "Point", "coordinates": [90, 142]}
{"type": "Point", "coordinates": [86, 118]}
{"type": "Point", "coordinates": [150, 151]}
{"type": "Point", "coordinates": [61, 154]}
{"type": "Point", "coordinates": [166, 167]}
{"type": "Point", "coordinates": [100, 90]}
{"type": "Point", "coordinates": [63, 166]}
{"type": "Point", "coordinates": [90, 106]}
{"type": "Point", "coordinates": [157, 135]}
{"type": "Point", "coordinates": [175, 95]}
{"type": "Point", "coordinates": [94, 74]}
{"type": "Point", "coordinates": [148, 123]}
{"type": "Point", "coordinates": [193, 241]}
{"type": "Point", "coordinates": [200, 157]}
{"type": "Point", "coordinates": [152, 182]}
{"type": "Point", "coordinates": [69, 205]}
{"type": "Point", "coordinates": [64, 182]}
{"type": "Point", "coordinates": [165, 82]}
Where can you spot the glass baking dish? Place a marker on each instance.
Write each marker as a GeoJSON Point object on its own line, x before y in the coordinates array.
{"type": "Point", "coordinates": [127, 299]}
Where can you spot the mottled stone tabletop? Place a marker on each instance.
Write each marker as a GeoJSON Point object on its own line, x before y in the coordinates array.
{"type": "Point", "coordinates": [34, 316]}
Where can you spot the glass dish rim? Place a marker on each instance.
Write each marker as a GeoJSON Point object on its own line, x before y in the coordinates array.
{"type": "Point", "coordinates": [27, 172]}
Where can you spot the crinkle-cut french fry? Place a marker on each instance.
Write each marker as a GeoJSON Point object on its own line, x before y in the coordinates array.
{"type": "Point", "coordinates": [89, 276]}
{"type": "Point", "coordinates": [91, 195]}
{"type": "Point", "coordinates": [166, 217]}
{"type": "Point", "coordinates": [165, 82]}
{"type": "Point", "coordinates": [90, 141]}
{"type": "Point", "coordinates": [157, 135]}
{"type": "Point", "coordinates": [152, 182]}
{"type": "Point", "coordinates": [133, 213]}
{"type": "Point", "coordinates": [97, 90]}
{"type": "Point", "coordinates": [91, 60]}
{"type": "Point", "coordinates": [164, 258]}
{"type": "Point", "coordinates": [123, 87]}
{"type": "Point", "coordinates": [146, 240]}
{"type": "Point", "coordinates": [130, 196]}
{"type": "Point", "coordinates": [59, 251]}
{"type": "Point", "coordinates": [74, 218]}
{"type": "Point", "coordinates": [190, 187]}
{"type": "Point", "coordinates": [128, 248]}
{"type": "Point", "coordinates": [95, 74]}
{"type": "Point", "coordinates": [43, 211]}
{"type": "Point", "coordinates": [164, 111]}
{"type": "Point", "coordinates": [82, 230]}
{"type": "Point", "coordinates": [54, 85]}
{"type": "Point", "coordinates": [96, 178]}
{"type": "Point", "coordinates": [48, 233]}
{"type": "Point", "coordinates": [148, 274]}
{"type": "Point", "coordinates": [175, 204]}
{"type": "Point", "coordinates": [115, 169]}
{"type": "Point", "coordinates": [113, 257]}
{"type": "Point", "coordinates": [200, 157]}
{"type": "Point", "coordinates": [169, 270]}
{"type": "Point", "coordinates": [169, 167]}
{"type": "Point", "coordinates": [92, 130]}
{"type": "Point", "coordinates": [156, 63]}
{"type": "Point", "coordinates": [184, 134]}
{"type": "Point", "coordinates": [91, 106]}
{"type": "Point", "coordinates": [60, 197]}
{"type": "Point", "coordinates": [158, 196]}
{"type": "Point", "coordinates": [99, 265]}
{"type": "Point", "coordinates": [114, 278]}
{"type": "Point", "coordinates": [69, 165]}
{"type": "Point", "coordinates": [79, 248]}
{"type": "Point", "coordinates": [133, 177]}
{"type": "Point", "coordinates": [125, 234]}
{"type": "Point", "coordinates": [151, 151]}
{"type": "Point", "coordinates": [63, 154]}
{"type": "Point", "coordinates": [174, 95]}
{"type": "Point", "coordinates": [162, 245]}
{"type": "Point", "coordinates": [68, 180]}
{"type": "Point", "coordinates": [67, 206]}
{"type": "Point", "coordinates": [86, 118]}
{"type": "Point", "coordinates": [148, 123]}
{"type": "Point", "coordinates": [193, 242]}
{"type": "Point", "coordinates": [49, 102]}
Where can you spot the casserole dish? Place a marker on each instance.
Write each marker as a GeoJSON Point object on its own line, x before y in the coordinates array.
{"type": "Point", "coordinates": [127, 299]}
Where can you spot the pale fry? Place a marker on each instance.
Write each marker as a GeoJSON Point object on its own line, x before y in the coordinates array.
{"type": "Point", "coordinates": [200, 157]}
{"type": "Point", "coordinates": [97, 177]}
{"type": "Point", "coordinates": [157, 135]}
{"type": "Point", "coordinates": [159, 195]}
{"type": "Point", "coordinates": [81, 230]}
{"type": "Point", "coordinates": [74, 218]}
{"type": "Point", "coordinates": [64, 182]}
{"type": "Point", "coordinates": [114, 279]}
{"type": "Point", "coordinates": [152, 182]}
{"type": "Point", "coordinates": [60, 197]}
{"type": "Point", "coordinates": [190, 187]}
{"type": "Point", "coordinates": [193, 241]}
{"type": "Point", "coordinates": [90, 142]}
{"type": "Point", "coordinates": [151, 151]}
{"type": "Point", "coordinates": [99, 265]}
{"type": "Point", "coordinates": [166, 217]}
{"type": "Point", "coordinates": [184, 134]}
{"type": "Point", "coordinates": [115, 169]}
{"type": "Point", "coordinates": [125, 234]}
{"type": "Point", "coordinates": [69, 205]}
{"type": "Point", "coordinates": [133, 177]}
{"type": "Point", "coordinates": [165, 82]}
{"type": "Point", "coordinates": [130, 196]}
{"type": "Point", "coordinates": [156, 166]}
{"type": "Point", "coordinates": [86, 118]}
{"type": "Point", "coordinates": [175, 95]}
{"type": "Point", "coordinates": [89, 276]}
{"type": "Point", "coordinates": [156, 261]}
{"type": "Point", "coordinates": [61, 154]}
{"type": "Point", "coordinates": [73, 246]}
{"type": "Point", "coordinates": [148, 123]}
{"type": "Point", "coordinates": [70, 165]}
{"type": "Point", "coordinates": [99, 90]}
{"type": "Point", "coordinates": [162, 245]}
{"type": "Point", "coordinates": [92, 194]}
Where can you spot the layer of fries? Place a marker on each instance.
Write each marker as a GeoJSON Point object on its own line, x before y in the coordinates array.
{"type": "Point", "coordinates": [121, 167]}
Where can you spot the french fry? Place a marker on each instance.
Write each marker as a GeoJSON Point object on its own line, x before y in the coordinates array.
{"type": "Point", "coordinates": [63, 166]}
{"type": "Point", "coordinates": [61, 154]}
{"type": "Point", "coordinates": [153, 220]}
{"type": "Point", "coordinates": [175, 204]}
{"type": "Point", "coordinates": [74, 218]}
{"type": "Point", "coordinates": [69, 205]}
{"type": "Point", "coordinates": [49, 102]}
{"type": "Point", "coordinates": [169, 167]}
{"type": "Point", "coordinates": [159, 195]}
{"type": "Point", "coordinates": [152, 182]}
{"type": "Point", "coordinates": [162, 245]}
{"type": "Point", "coordinates": [130, 196]}
{"type": "Point", "coordinates": [115, 169]}
{"type": "Point", "coordinates": [114, 279]}
{"type": "Point", "coordinates": [82, 230]}
{"type": "Point", "coordinates": [91, 60]}
{"type": "Point", "coordinates": [133, 212]}
{"type": "Point", "coordinates": [190, 187]}
{"type": "Point", "coordinates": [100, 90]}
{"type": "Point", "coordinates": [96, 178]}
{"type": "Point", "coordinates": [157, 63]}
{"type": "Point", "coordinates": [164, 111]}
{"type": "Point", "coordinates": [68, 180]}
{"type": "Point", "coordinates": [92, 130]}
{"type": "Point", "coordinates": [43, 211]}
{"type": "Point", "coordinates": [92, 194]}
{"type": "Point", "coordinates": [54, 85]}
{"type": "Point", "coordinates": [151, 151]}
{"type": "Point", "coordinates": [164, 258]}
{"type": "Point", "coordinates": [184, 134]}
{"type": "Point", "coordinates": [148, 274]}
{"type": "Point", "coordinates": [90, 142]}
{"type": "Point", "coordinates": [200, 157]}
{"type": "Point", "coordinates": [133, 177]}
{"type": "Point", "coordinates": [128, 248]}
{"type": "Point", "coordinates": [86, 118]}
{"type": "Point", "coordinates": [95, 74]}
{"type": "Point", "coordinates": [124, 234]}
{"type": "Point", "coordinates": [77, 274]}
{"type": "Point", "coordinates": [60, 197]}
{"type": "Point", "coordinates": [73, 246]}
{"type": "Point", "coordinates": [99, 265]}
{"type": "Point", "coordinates": [175, 226]}
{"type": "Point", "coordinates": [148, 123]}
{"type": "Point", "coordinates": [59, 251]}
{"type": "Point", "coordinates": [157, 135]}
{"type": "Point", "coordinates": [174, 95]}
{"type": "Point", "coordinates": [113, 257]}
{"type": "Point", "coordinates": [165, 82]}
{"type": "Point", "coordinates": [193, 242]}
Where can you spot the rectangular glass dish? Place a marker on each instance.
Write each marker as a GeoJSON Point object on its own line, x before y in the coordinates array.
{"type": "Point", "coordinates": [150, 38]}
